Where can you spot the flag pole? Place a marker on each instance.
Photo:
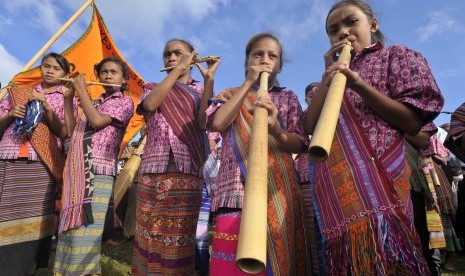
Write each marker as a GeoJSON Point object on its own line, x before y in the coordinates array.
{"type": "Point", "coordinates": [57, 35]}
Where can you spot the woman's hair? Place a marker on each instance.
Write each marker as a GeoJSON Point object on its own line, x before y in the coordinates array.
{"type": "Point", "coordinates": [310, 87]}
{"type": "Point", "coordinates": [185, 42]}
{"type": "Point", "coordinates": [117, 60]}
{"type": "Point", "coordinates": [257, 38]}
{"type": "Point", "coordinates": [366, 9]}
{"type": "Point", "coordinates": [61, 60]}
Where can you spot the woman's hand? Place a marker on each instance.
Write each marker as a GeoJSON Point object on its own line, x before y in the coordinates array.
{"type": "Point", "coordinates": [254, 71]}
{"type": "Point", "coordinates": [185, 62]}
{"type": "Point", "coordinates": [34, 95]}
{"type": "Point", "coordinates": [273, 125]}
{"type": "Point", "coordinates": [18, 111]}
{"type": "Point", "coordinates": [79, 84]}
{"type": "Point", "coordinates": [353, 78]}
{"type": "Point", "coordinates": [209, 72]}
{"type": "Point", "coordinates": [68, 91]}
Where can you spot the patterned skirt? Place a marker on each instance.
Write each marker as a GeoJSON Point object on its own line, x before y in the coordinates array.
{"type": "Point", "coordinates": [27, 194]}
{"type": "Point", "coordinates": [224, 247]}
{"type": "Point", "coordinates": [78, 249]}
{"type": "Point", "coordinates": [167, 213]}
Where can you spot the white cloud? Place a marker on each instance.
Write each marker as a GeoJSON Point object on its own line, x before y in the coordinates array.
{"type": "Point", "coordinates": [5, 22]}
{"type": "Point", "coordinates": [42, 15]}
{"type": "Point", "coordinates": [10, 66]}
{"type": "Point", "coordinates": [438, 22]}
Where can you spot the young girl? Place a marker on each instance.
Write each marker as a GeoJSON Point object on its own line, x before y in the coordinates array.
{"type": "Point", "coordinates": [361, 191]}
{"type": "Point", "coordinates": [90, 168]}
{"type": "Point", "coordinates": [231, 115]}
{"type": "Point", "coordinates": [31, 166]}
{"type": "Point", "coordinates": [169, 190]}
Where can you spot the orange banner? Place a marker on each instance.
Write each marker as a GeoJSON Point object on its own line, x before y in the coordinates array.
{"type": "Point", "coordinates": [94, 45]}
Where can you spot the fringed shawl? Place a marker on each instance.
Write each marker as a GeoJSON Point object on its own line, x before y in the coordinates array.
{"type": "Point", "coordinates": [42, 139]}
{"type": "Point", "coordinates": [360, 205]}
{"type": "Point", "coordinates": [78, 178]}
{"type": "Point", "coordinates": [286, 244]}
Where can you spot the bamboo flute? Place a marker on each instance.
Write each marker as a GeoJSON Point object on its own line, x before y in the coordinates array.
{"type": "Point", "coordinates": [323, 134]}
{"type": "Point", "coordinates": [251, 250]}
{"type": "Point", "coordinates": [199, 60]}
{"type": "Point", "coordinates": [92, 82]}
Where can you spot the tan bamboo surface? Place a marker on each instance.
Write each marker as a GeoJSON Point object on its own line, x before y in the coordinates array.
{"type": "Point", "coordinates": [251, 250]}
{"type": "Point", "coordinates": [127, 174]}
{"type": "Point", "coordinates": [323, 134]}
{"type": "Point", "coordinates": [92, 82]}
{"type": "Point", "coordinates": [199, 60]}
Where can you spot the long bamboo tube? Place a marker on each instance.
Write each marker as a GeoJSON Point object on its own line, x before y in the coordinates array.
{"type": "Point", "coordinates": [127, 174]}
{"type": "Point", "coordinates": [57, 35]}
{"type": "Point", "coordinates": [251, 250]}
{"type": "Point", "coordinates": [323, 134]}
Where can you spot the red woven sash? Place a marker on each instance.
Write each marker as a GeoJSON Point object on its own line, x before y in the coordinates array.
{"type": "Point", "coordinates": [42, 139]}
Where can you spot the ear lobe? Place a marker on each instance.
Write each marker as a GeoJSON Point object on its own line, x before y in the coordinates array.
{"type": "Point", "coordinates": [374, 25]}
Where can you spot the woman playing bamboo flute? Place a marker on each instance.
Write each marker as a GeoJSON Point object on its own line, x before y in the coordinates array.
{"type": "Point", "coordinates": [170, 184]}
{"type": "Point", "coordinates": [361, 191]}
{"type": "Point", "coordinates": [231, 115]}
{"type": "Point", "coordinates": [31, 165]}
{"type": "Point", "coordinates": [90, 168]}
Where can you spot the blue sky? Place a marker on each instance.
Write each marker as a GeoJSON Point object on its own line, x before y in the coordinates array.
{"type": "Point", "coordinates": [222, 27]}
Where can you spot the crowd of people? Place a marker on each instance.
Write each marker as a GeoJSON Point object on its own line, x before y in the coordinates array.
{"type": "Point", "coordinates": [388, 200]}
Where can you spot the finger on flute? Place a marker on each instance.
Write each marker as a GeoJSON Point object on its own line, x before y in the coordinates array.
{"type": "Point", "coordinates": [195, 61]}
{"type": "Point", "coordinates": [92, 82]}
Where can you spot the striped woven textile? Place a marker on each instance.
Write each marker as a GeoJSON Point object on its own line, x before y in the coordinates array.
{"type": "Point", "coordinates": [224, 247]}
{"type": "Point", "coordinates": [447, 210]}
{"type": "Point", "coordinates": [74, 184]}
{"type": "Point", "coordinates": [27, 194]}
{"type": "Point", "coordinates": [42, 139]}
{"type": "Point", "coordinates": [313, 233]}
{"type": "Point", "coordinates": [287, 243]}
{"type": "Point", "coordinates": [78, 249]}
{"type": "Point", "coordinates": [202, 237]}
{"type": "Point", "coordinates": [167, 213]}
{"type": "Point", "coordinates": [362, 204]}
{"type": "Point", "coordinates": [444, 192]}
{"type": "Point", "coordinates": [180, 109]}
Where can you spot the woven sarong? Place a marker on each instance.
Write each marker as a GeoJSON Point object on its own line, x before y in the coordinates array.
{"type": "Point", "coordinates": [287, 247]}
{"type": "Point", "coordinates": [27, 194]}
{"type": "Point", "coordinates": [361, 203]}
{"type": "Point", "coordinates": [167, 213]}
{"type": "Point", "coordinates": [78, 250]}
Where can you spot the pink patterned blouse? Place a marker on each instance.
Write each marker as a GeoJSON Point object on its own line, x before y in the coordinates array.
{"type": "Point", "coordinates": [10, 143]}
{"type": "Point", "coordinates": [106, 141]}
{"type": "Point", "coordinates": [161, 139]}
{"type": "Point", "coordinates": [401, 74]}
{"type": "Point", "coordinates": [230, 181]}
